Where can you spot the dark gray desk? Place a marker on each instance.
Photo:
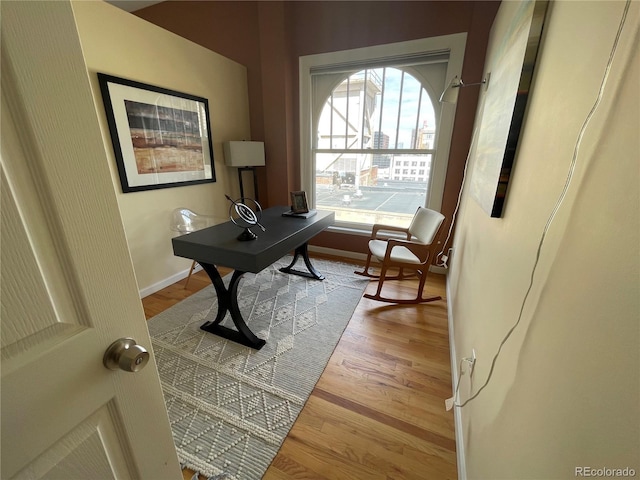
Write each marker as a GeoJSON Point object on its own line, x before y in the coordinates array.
{"type": "Point", "coordinates": [218, 245]}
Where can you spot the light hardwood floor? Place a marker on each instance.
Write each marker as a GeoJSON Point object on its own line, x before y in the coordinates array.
{"type": "Point", "coordinates": [377, 411]}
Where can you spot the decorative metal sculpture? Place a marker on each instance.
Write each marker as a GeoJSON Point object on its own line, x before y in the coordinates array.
{"type": "Point", "coordinates": [245, 217]}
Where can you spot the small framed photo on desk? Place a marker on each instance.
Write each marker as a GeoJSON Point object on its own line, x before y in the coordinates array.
{"type": "Point", "coordinates": [299, 202]}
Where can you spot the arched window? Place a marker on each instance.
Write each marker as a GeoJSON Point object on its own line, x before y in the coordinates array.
{"type": "Point", "coordinates": [374, 129]}
{"type": "Point", "coordinates": [375, 139]}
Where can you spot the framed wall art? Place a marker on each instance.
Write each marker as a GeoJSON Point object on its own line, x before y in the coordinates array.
{"type": "Point", "coordinates": [161, 138]}
{"type": "Point", "coordinates": [511, 64]}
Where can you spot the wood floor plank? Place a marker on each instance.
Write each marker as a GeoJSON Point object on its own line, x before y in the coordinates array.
{"type": "Point", "coordinates": [377, 411]}
{"type": "Point", "coordinates": [391, 404]}
{"type": "Point", "coordinates": [348, 447]}
{"type": "Point", "coordinates": [319, 412]}
{"type": "Point", "coordinates": [365, 440]}
{"type": "Point", "coordinates": [324, 462]}
{"type": "Point", "coordinates": [392, 374]}
{"type": "Point", "coordinates": [424, 432]}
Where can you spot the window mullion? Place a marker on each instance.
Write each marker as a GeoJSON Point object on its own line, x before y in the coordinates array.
{"type": "Point", "coordinates": [346, 120]}
{"type": "Point", "coordinates": [416, 144]}
{"type": "Point", "coordinates": [399, 108]}
{"type": "Point", "coordinates": [363, 107]}
{"type": "Point", "coordinates": [333, 112]}
{"type": "Point", "coordinates": [384, 71]}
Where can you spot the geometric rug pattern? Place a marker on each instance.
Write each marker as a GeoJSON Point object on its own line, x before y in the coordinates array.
{"type": "Point", "coordinates": [230, 406]}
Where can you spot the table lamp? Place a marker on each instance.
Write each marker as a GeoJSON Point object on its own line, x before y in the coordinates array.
{"type": "Point", "coordinates": [244, 155]}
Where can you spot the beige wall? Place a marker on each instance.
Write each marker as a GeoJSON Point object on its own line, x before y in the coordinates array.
{"type": "Point", "coordinates": [565, 391]}
{"type": "Point", "coordinates": [120, 44]}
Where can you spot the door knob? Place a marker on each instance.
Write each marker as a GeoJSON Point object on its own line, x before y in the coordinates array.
{"type": "Point", "coordinates": [125, 354]}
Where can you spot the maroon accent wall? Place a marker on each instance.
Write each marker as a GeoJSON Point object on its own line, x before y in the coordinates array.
{"type": "Point", "coordinates": [268, 37]}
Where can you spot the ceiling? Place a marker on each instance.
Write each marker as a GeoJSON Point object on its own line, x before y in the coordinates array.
{"type": "Point", "coordinates": [131, 5]}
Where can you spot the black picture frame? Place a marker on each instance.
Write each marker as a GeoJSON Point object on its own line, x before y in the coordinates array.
{"type": "Point", "coordinates": [161, 138]}
{"type": "Point", "coordinates": [299, 202]}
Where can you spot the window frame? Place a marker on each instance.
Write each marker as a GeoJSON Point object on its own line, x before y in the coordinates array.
{"type": "Point", "coordinates": [454, 44]}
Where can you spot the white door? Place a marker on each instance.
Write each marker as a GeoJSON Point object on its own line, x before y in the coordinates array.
{"type": "Point", "coordinates": [67, 283]}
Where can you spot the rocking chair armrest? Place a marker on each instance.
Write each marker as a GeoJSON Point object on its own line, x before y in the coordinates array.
{"type": "Point", "coordinates": [378, 227]}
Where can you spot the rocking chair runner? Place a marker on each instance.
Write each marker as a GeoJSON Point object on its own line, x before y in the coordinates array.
{"type": "Point", "coordinates": [412, 253]}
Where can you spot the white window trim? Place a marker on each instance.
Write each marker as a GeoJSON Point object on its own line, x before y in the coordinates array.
{"type": "Point", "coordinates": [455, 43]}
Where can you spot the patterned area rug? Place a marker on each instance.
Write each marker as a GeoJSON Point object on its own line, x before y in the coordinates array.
{"type": "Point", "coordinates": [230, 406]}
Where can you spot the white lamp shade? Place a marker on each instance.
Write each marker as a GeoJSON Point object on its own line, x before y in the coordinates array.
{"type": "Point", "coordinates": [244, 154]}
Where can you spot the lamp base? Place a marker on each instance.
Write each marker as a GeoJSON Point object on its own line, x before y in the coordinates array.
{"type": "Point", "coordinates": [247, 235]}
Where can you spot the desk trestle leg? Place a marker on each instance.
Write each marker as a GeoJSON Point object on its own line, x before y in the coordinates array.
{"type": "Point", "coordinates": [228, 302]}
{"type": "Point", "coordinates": [303, 251]}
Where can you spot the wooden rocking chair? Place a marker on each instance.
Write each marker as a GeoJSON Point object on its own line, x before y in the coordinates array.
{"type": "Point", "coordinates": [413, 253]}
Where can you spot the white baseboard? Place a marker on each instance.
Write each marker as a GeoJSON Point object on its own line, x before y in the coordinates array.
{"type": "Point", "coordinates": [176, 277]}
{"type": "Point", "coordinates": [438, 270]}
{"type": "Point", "coordinates": [457, 415]}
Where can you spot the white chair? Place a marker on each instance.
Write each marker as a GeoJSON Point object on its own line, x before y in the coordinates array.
{"type": "Point", "coordinates": [413, 253]}
{"type": "Point", "coordinates": [185, 221]}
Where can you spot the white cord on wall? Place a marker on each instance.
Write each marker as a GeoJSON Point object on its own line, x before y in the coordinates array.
{"type": "Point", "coordinates": [441, 258]}
{"type": "Point", "coordinates": [559, 202]}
